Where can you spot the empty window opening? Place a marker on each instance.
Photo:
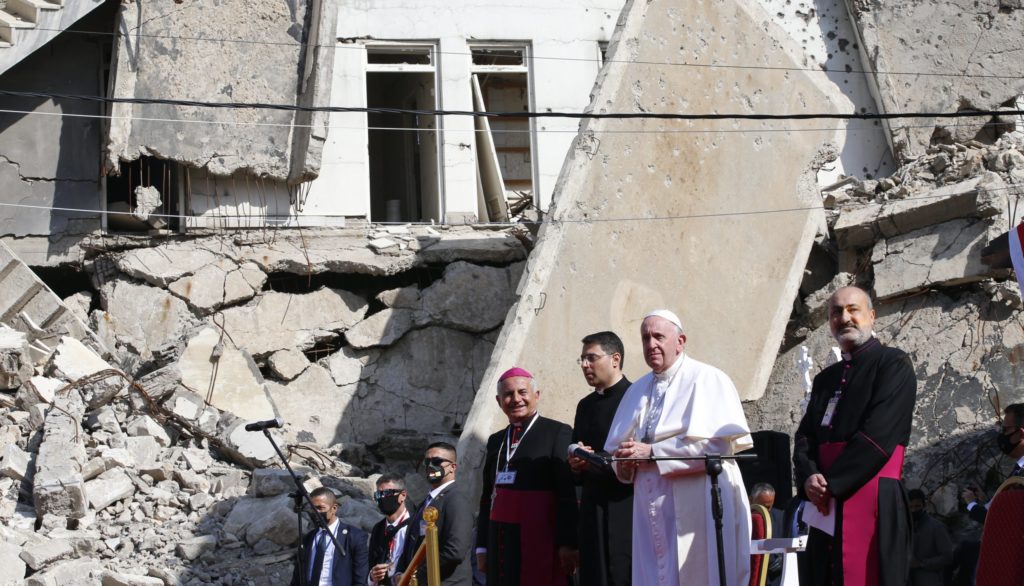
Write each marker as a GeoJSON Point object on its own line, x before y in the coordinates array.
{"type": "Point", "coordinates": [144, 197]}
{"type": "Point", "coordinates": [416, 55]}
{"type": "Point", "coordinates": [403, 147]}
{"type": "Point", "coordinates": [503, 78]}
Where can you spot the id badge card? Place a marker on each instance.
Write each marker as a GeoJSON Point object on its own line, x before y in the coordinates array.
{"type": "Point", "coordinates": [830, 410]}
{"type": "Point", "coordinates": [506, 477]}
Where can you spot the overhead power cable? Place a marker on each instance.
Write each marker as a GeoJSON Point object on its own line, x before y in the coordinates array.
{"type": "Point", "coordinates": [872, 128]}
{"type": "Point", "coordinates": [299, 217]}
{"type": "Point", "coordinates": [352, 46]}
{"type": "Point", "coordinates": [527, 114]}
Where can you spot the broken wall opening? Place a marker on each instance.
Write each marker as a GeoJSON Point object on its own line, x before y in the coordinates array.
{"type": "Point", "coordinates": [504, 85]}
{"type": "Point", "coordinates": [403, 147]}
{"type": "Point", "coordinates": [144, 196]}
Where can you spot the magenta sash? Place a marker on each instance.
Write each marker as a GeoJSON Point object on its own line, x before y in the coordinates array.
{"type": "Point", "coordinates": [860, 518]}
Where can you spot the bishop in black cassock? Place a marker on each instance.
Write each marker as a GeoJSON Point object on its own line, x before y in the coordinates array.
{"type": "Point", "coordinates": [848, 453]}
{"type": "Point", "coordinates": [606, 505]}
{"type": "Point", "coordinates": [526, 529]}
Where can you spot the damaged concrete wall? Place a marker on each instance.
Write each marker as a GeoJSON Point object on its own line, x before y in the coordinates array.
{"type": "Point", "coordinates": [941, 56]}
{"type": "Point", "coordinates": [920, 240]}
{"type": "Point", "coordinates": [50, 149]}
{"type": "Point", "coordinates": [234, 51]}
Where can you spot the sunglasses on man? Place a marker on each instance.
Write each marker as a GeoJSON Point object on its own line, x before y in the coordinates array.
{"type": "Point", "coordinates": [436, 461]}
{"type": "Point", "coordinates": [381, 494]}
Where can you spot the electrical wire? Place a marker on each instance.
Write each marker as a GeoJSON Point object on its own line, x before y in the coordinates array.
{"type": "Point", "coordinates": [298, 217]}
{"type": "Point", "coordinates": [872, 128]}
{"type": "Point", "coordinates": [353, 46]}
{"type": "Point", "coordinates": [518, 115]}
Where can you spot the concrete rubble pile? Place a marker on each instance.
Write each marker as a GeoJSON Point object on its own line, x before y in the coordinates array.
{"type": "Point", "coordinates": [135, 467]}
{"type": "Point", "coordinates": [922, 240]}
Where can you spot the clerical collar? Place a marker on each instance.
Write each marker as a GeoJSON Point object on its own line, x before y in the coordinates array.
{"type": "Point", "coordinates": [871, 343]}
{"type": "Point", "coordinates": [601, 392]}
{"type": "Point", "coordinates": [672, 370]}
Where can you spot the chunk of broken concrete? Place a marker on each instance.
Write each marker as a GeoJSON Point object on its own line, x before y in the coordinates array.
{"type": "Point", "coordinates": [12, 567]}
{"type": "Point", "coordinates": [112, 578]}
{"type": "Point", "coordinates": [80, 572]}
{"type": "Point", "coordinates": [144, 318]}
{"type": "Point", "coordinates": [194, 547]}
{"type": "Point", "coordinates": [470, 297]}
{"type": "Point", "coordinates": [221, 283]}
{"type": "Point", "coordinates": [39, 555]}
{"type": "Point", "coordinates": [144, 425]}
{"type": "Point", "coordinates": [232, 381]}
{"type": "Point", "coordinates": [860, 227]}
{"type": "Point", "coordinates": [944, 254]}
{"type": "Point", "coordinates": [277, 321]}
{"type": "Point", "coordinates": [110, 487]}
{"type": "Point", "coordinates": [403, 298]}
{"type": "Point", "coordinates": [383, 328]}
{"type": "Point", "coordinates": [287, 364]}
{"type": "Point", "coordinates": [38, 389]}
{"type": "Point", "coordinates": [160, 265]}
{"type": "Point", "coordinates": [58, 487]}
{"type": "Point", "coordinates": [73, 361]}
{"type": "Point", "coordinates": [15, 360]}
{"type": "Point", "coordinates": [14, 462]}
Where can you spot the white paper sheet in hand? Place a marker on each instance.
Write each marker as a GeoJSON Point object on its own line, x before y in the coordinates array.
{"type": "Point", "coordinates": [814, 518]}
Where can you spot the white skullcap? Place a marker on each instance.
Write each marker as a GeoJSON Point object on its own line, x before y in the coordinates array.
{"type": "Point", "coordinates": [666, 315]}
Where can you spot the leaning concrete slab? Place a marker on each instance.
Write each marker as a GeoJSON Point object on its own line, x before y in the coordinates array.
{"type": "Point", "coordinates": [940, 56]}
{"type": "Point", "coordinates": [714, 224]}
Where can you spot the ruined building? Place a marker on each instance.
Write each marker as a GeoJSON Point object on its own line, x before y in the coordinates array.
{"type": "Point", "coordinates": [172, 270]}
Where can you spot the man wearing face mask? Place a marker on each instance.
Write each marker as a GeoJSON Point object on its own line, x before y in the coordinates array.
{"type": "Point", "coordinates": [848, 453]}
{"type": "Point", "coordinates": [454, 521]}
{"type": "Point", "coordinates": [933, 550]}
{"type": "Point", "coordinates": [388, 536]}
{"type": "Point", "coordinates": [1011, 442]}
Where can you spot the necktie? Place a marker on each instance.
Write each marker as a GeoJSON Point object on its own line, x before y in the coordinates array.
{"type": "Point", "coordinates": [320, 548]}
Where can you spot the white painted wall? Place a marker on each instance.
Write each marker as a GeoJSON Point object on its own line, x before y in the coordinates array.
{"type": "Point", "coordinates": [563, 38]}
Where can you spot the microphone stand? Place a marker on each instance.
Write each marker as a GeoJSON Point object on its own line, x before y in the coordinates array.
{"type": "Point", "coordinates": [301, 495]}
{"type": "Point", "coordinates": [713, 467]}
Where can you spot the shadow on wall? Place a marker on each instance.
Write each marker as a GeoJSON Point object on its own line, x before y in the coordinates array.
{"type": "Point", "coordinates": [50, 157]}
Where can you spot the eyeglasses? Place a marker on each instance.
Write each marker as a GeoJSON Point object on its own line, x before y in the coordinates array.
{"type": "Point", "coordinates": [436, 461]}
{"type": "Point", "coordinates": [381, 494]}
{"type": "Point", "coordinates": [589, 358]}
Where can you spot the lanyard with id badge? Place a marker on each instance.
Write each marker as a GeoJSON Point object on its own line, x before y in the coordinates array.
{"type": "Point", "coordinates": [830, 409]}
{"type": "Point", "coordinates": [507, 477]}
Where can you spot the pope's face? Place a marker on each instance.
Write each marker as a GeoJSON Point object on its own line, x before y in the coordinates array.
{"type": "Point", "coordinates": [517, 398]}
{"type": "Point", "coordinates": [662, 341]}
{"type": "Point", "coordinates": [850, 317]}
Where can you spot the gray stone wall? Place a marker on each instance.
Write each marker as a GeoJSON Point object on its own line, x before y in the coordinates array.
{"type": "Point", "coordinates": [50, 156]}
{"type": "Point", "coordinates": [252, 51]}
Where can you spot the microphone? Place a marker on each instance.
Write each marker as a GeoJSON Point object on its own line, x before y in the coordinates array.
{"type": "Point", "coordinates": [590, 457]}
{"type": "Point", "coordinates": [261, 425]}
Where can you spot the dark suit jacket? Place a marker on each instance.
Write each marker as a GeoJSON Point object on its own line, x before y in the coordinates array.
{"type": "Point", "coordinates": [455, 537]}
{"type": "Point", "coordinates": [378, 541]}
{"type": "Point", "coordinates": [979, 511]}
{"type": "Point", "coordinates": [351, 566]}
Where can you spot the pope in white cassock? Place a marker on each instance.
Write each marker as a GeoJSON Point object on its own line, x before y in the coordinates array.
{"type": "Point", "coordinates": [682, 408]}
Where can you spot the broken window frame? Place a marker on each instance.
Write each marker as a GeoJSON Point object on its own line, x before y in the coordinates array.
{"type": "Point", "coordinates": [526, 68]}
{"type": "Point", "coordinates": [395, 46]}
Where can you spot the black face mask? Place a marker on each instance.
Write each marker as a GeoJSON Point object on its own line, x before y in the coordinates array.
{"type": "Point", "coordinates": [1005, 444]}
{"type": "Point", "coordinates": [435, 473]}
{"type": "Point", "coordinates": [388, 504]}
{"type": "Point", "coordinates": [917, 516]}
